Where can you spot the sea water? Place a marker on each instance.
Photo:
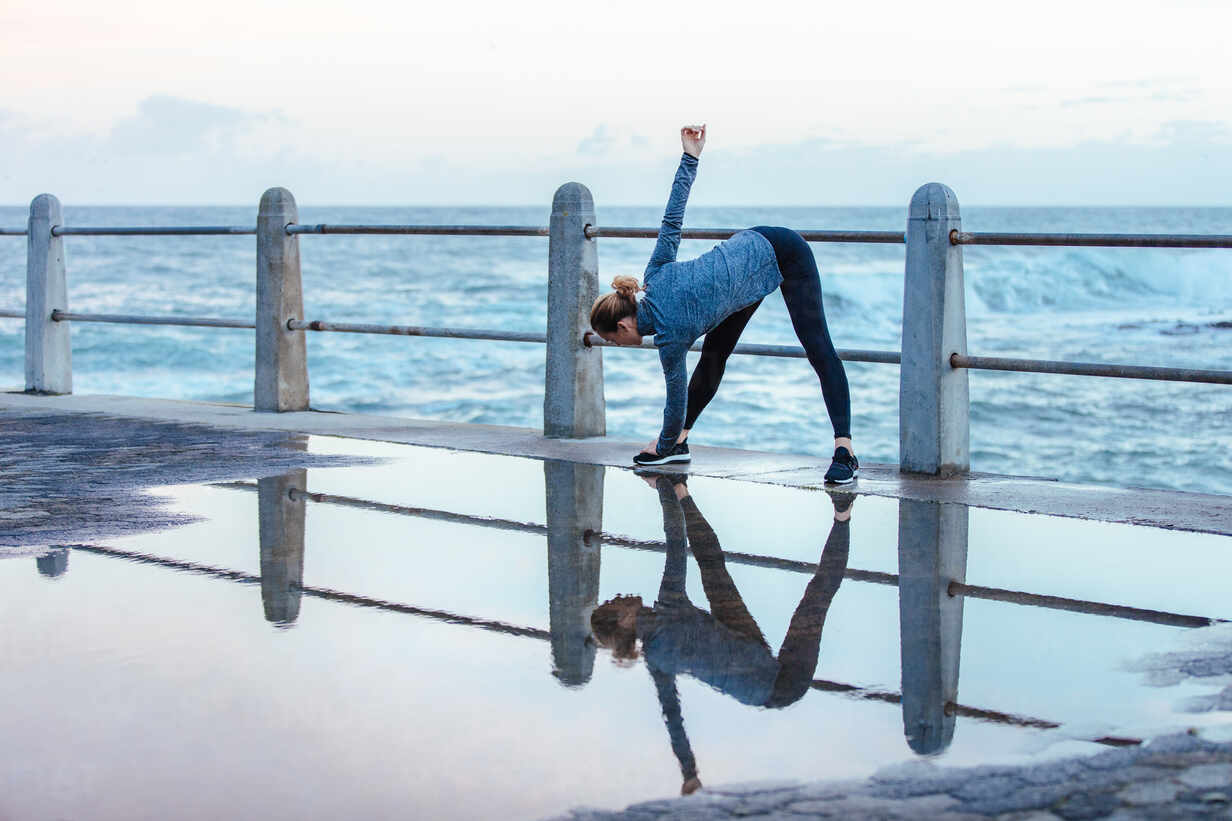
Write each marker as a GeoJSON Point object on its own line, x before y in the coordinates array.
{"type": "Point", "coordinates": [1141, 306]}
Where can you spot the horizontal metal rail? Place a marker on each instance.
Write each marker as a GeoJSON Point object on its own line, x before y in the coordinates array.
{"type": "Point", "coordinates": [150, 231]}
{"type": "Point", "coordinates": [952, 709]}
{"type": "Point", "coordinates": [592, 340]}
{"type": "Point", "coordinates": [415, 330]}
{"type": "Point", "coordinates": [874, 237]}
{"type": "Point", "coordinates": [128, 319]}
{"type": "Point", "coordinates": [315, 592]}
{"type": "Point", "coordinates": [441, 230]}
{"type": "Point", "coordinates": [998, 363]}
{"type": "Point", "coordinates": [596, 231]}
{"type": "Point", "coordinates": [1095, 240]}
{"type": "Point", "coordinates": [773, 562]}
{"type": "Point", "coordinates": [1118, 611]}
{"type": "Point", "coordinates": [491, 625]}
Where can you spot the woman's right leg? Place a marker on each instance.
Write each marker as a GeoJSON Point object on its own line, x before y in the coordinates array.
{"type": "Point", "coordinates": [801, 647]}
{"type": "Point", "coordinates": [716, 348]}
{"type": "Point", "coordinates": [801, 290]}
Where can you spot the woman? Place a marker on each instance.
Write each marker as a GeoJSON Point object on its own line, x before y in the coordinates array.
{"type": "Point", "coordinates": [715, 295]}
{"type": "Point", "coordinates": [723, 647]}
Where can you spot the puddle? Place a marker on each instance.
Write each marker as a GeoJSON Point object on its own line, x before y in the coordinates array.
{"type": "Point", "coordinates": [412, 639]}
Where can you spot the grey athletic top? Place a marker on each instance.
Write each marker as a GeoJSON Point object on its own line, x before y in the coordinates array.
{"type": "Point", "coordinates": [685, 300]}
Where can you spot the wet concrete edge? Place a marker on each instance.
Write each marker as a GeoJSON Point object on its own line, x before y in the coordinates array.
{"type": "Point", "coordinates": [1177, 510]}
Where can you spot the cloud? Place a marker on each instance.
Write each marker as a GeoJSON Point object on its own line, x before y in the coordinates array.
{"type": "Point", "coordinates": [176, 150]}
{"type": "Point", "coordinates": [1194, 132]}
{"type": "Point", "coordinates": [172, 125]}
{"type": "Point", "coordinates": [606, 140]}
{"type": "Point", "coordinates": [599, 142]}
{"type": "Point", "coordinates": [1181, 164]}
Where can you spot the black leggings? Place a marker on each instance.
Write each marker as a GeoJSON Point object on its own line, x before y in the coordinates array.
{"type": "Point", "coordinates": [802, 292]}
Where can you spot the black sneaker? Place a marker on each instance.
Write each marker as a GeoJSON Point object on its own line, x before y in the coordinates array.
{"type": "Point", "coordinates": [842, 500]}
{"type": "Point", "coordinates": [679, 453]}
{"type": "Point", "coordinates": [843, 469]}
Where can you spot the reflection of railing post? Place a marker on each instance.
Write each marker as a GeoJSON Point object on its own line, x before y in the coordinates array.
{"type": "Point", "coordinates": [49, 356]}
{"type": "Point", "coordinates": [933, 403]}
{"type": "Point", "coordinates": [932, 552]}
{"type": "Point", "coordinates": [281, 528]}
{"type": "Point", "coordinates": [281, 381]}
{"type": "Point", "coordinates": [53, 563]}
{"type": "Point", "coordinates": [573, 388]}
{"type": "Point", "coordinates": [574, 506]}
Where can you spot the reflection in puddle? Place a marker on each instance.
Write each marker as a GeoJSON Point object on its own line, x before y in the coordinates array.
{"type": "Point", "coordinates": [723, 647]}
{"type": "Point", "coordinates": [438, 690]}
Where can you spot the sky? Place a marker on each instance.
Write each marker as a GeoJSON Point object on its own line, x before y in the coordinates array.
{"type": "Point", "coordinates": [487, 103]}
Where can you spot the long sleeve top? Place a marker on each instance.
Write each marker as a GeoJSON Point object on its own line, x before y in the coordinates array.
{"type": "Point", "coordinates": [685, 300]}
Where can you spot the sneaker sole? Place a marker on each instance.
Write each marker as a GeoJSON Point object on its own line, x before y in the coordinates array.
{"type": "Point", "coordinates": [843, 481]}
{"type": "Point", "coordinates": [679, 457]}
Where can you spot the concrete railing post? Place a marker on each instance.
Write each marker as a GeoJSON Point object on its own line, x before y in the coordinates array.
{"type": "Point", "coordinates": [281, 382]}
{"type": "Point", "coordinates": [49, 356]}
{"type": "Point", "coordinates": [933, 403]}
{"type": "Point", "coordinates": [932, 552]}
{"type": "Point", "coordinates": [574, 506]}
{"type": "Point", "coordinates": [573, 390]}
{"type": "Point", "coordinates": [280, 527]}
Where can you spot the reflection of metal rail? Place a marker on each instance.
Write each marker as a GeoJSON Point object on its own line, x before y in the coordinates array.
{"type": "Point", "coordinates": [970, 591]}
{"type": "Point", "coordinates": [315, 592]}
{"type": "Point", "coordinates": [329, 594]}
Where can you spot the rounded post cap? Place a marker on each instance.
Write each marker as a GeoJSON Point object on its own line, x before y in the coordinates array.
{"type": "Point", "coordinates": [573, 198]}
{"type": "Point", "coordinates": [278, 201]}
{"type": "Point", "coordinates": [933, 201]}
{"type": "Point", "coordinates": [932, 739]}
{"type": "Point", "coordinates": [46, 206]}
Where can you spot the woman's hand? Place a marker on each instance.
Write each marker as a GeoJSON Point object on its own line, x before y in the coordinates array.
{"type": "Point", "coordinates": [693, 139]}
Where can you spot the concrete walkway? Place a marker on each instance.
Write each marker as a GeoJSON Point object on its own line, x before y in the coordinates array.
{"type": "Point", "coordinates": [72, 467]}
{"type": "Point", "coordinates": [1156, 508]}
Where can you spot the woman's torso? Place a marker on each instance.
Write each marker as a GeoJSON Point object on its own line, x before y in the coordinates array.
{"type": "Point", "coordinates": [686, 299]}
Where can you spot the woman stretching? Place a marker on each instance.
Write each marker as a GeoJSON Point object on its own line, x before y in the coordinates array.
{"type": "Point", "coordinates": [715, 295]}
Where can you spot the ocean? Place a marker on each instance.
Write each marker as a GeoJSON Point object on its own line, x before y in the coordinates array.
{"type": "Point", "coordinates": [1139, 306]}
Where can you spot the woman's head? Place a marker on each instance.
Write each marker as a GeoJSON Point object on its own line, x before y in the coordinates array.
{"type": "Point", "coordinates": [614, 315]}
{"type": "Point", "coordinates": [614, 624]}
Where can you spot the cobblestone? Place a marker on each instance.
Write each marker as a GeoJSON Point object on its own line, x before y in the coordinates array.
{"type": "Point", "coordinates": [1176, 776]}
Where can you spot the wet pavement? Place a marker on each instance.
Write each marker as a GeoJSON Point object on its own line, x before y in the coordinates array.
{"type": "Point", "coordinates": [289, 626]}
{"type": "Point", "coordinates": [1202, 512]}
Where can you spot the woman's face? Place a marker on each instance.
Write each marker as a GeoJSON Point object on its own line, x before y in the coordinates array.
{"type": "Point", "coordinates": [625, 333]}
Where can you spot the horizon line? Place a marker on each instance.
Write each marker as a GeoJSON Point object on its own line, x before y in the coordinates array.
{"type": "Point", "coordinates": [976, 204]}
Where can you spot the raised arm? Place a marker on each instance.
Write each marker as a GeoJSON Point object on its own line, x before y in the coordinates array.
{"type": "Point", "coordinates": [669, 703]}
{"type": "Point", "coordinates": [692, 140]}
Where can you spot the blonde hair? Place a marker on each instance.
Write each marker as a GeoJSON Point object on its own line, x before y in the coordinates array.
{"type": "Point", "coordinates": [609, 309]}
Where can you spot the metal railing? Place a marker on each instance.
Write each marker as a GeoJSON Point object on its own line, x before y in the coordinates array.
{"type": "Point", "coordinates": [329, 594]}
{"type": "Point", "coordinates": [955, 588]}
{"type": "Point", "coordinates": [934, 362]}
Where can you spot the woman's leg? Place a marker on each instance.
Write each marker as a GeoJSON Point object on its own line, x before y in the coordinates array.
{"type": "Point", "coordinates": [726, 603]}
{"type": "Point", "coordinates": [802, 292]}
{"type": "Point", "coordinates": [802, 645]}
{"type": "Point", "coordinates": [716, 348]}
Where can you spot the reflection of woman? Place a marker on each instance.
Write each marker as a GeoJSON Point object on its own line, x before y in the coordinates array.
{"type": "Point", "coordinates": [723, 647]}
{"type": "Point", "coordinates": [714, 296]}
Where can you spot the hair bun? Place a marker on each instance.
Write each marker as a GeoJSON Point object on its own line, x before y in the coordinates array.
{"type": "Point", "coordinates": [626, 286]}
